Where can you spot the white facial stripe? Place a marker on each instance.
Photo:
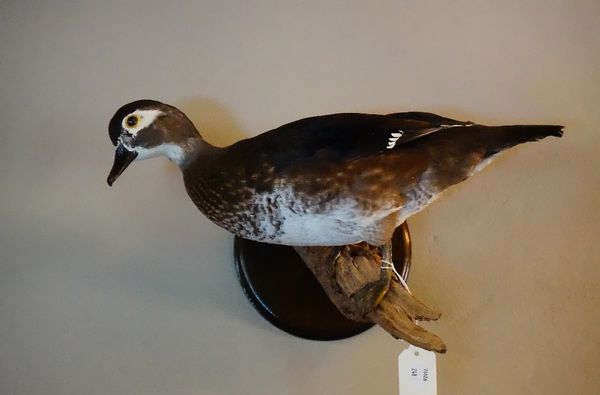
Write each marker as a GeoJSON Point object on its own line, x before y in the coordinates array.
{"type": "Point", "coordinates": [144, 119]}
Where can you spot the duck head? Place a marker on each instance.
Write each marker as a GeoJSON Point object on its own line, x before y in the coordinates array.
{"type": "Point", "coordinates": [147, 128]}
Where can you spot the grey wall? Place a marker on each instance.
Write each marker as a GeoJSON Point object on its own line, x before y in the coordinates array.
{"type": "Point", "coordinates": [130, 290]}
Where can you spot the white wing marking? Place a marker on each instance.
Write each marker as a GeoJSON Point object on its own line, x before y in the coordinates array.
{"type": "Point", "coordinates": [394, 137]}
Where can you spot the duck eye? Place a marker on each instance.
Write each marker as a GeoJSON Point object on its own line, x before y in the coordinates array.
{"type": "Point", "coordinates": [132, 120]}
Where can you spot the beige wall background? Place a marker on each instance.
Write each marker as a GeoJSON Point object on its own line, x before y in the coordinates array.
{"type": "Point", "coordinates": [130, 290]}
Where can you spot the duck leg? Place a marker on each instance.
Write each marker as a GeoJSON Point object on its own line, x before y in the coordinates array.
{"type": "Point", "coordinates": [363, 290]}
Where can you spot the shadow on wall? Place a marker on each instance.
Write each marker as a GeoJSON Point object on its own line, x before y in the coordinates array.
{"type": "Point", "coordinates": [213, 121]}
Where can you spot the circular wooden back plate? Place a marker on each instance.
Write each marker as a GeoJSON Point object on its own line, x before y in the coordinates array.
{"type": "Point", "coordinates": [285, 292]}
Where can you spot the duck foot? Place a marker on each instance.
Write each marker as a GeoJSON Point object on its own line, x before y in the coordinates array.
{"type": "Point", "coordinates": [358, 284]}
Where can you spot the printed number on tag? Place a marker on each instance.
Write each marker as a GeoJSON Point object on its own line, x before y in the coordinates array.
{"type": "Point", "coordinates": [417, 372]}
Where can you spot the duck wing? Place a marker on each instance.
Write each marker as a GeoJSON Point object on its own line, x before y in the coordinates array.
{"type": "Point", "coordinates": [341, 137]}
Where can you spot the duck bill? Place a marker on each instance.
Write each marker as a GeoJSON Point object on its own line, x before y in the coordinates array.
{"type": "Point", "coordinates": [123, 158]}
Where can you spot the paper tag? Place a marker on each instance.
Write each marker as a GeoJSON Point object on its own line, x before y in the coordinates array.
{"type": "Point", "coordinates": [416, 372]}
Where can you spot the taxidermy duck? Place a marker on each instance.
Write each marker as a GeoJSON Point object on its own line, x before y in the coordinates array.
{"type": "Point", "coordinates": [322, 181]}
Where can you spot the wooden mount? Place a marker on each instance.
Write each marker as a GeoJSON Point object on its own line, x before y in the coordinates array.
{"type": "Point", "coordinates": [330, 293]}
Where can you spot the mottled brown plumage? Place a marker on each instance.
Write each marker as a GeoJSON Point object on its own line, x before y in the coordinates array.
{"type": "Point", "coordinates": [327, 180]}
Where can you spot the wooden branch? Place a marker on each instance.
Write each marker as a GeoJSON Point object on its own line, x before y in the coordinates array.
{"type": "Point", "coordinates": [354, 280]}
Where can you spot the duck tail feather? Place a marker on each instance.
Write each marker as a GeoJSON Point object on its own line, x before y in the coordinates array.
{"type": "Point", "coordinates": [509, 136]}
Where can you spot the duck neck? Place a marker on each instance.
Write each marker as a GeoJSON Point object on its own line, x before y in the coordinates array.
{"type": "Point", "coordinates": [189, 151]}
